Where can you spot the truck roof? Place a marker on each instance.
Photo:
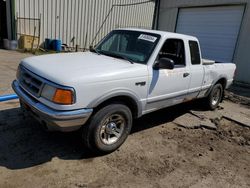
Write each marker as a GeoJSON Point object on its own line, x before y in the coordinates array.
{"type": "Point", "coordinates": [162, 33]}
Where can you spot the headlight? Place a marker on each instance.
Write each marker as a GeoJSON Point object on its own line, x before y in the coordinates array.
{"type": "Point", "coordinates": [48, 92]}
{"type": "Point", "coordinates": [58, 95]}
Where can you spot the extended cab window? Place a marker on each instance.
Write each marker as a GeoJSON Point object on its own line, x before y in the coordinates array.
{"type": "Point", "coordinates": [195, 53]}
{"type": "Point", "coordinates": [174, 49]}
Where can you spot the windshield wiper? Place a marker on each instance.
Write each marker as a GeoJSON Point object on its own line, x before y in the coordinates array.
{"type": "Point", "coordinates": [118, 56]}
{"type": "Point", "coordinates": [126, 58]}
{"type": "Point", "coordinates": [91, 49]}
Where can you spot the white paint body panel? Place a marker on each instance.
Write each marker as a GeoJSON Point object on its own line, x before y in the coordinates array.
{"type": "Point", "coordinates": [96, 77]}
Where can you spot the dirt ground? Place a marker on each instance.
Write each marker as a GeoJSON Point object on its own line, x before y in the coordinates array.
{"type": "Point", "coordinates": [9, 61]}
{"type": "Point", "coordinates": [158, 153]}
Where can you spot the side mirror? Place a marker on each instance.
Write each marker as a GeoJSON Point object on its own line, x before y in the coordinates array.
{"type": "Point", "coordinates": [164, 63]}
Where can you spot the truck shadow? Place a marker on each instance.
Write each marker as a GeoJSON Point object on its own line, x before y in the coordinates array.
{"type": "Point", "coordinates": [23, 143]}
{"type": "Point", "coordinates": [165, 115]}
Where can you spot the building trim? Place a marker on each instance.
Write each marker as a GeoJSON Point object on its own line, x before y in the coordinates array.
{"type": "Point", "coordinates": [156, 14]}
{"type": "Point", "coordinates": [177, 18]}
{"type": "Point", "coordinates": [214, 5]}
{"type": "Point", "coordinates": [8, 17]}
{"type": "Point", "coordinates": [240, 30]}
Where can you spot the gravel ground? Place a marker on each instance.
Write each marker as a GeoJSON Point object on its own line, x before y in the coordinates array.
{"type": "Point", "coordinates": [158, 152]}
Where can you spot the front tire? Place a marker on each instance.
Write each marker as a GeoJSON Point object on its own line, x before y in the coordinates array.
{"type": "Point", "coordinates": [215, 97]}
{"type": "Point", "coordinates": [108, 128]}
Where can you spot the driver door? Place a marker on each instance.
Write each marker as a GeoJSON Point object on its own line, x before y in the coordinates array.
{"type": "Point", "coordinates": [169, 87]}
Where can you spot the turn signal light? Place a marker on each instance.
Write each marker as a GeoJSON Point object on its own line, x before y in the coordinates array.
{"type": "Point", "coordinates": [63, 96]}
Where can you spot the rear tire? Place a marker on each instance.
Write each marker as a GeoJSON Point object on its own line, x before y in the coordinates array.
{"type": "Point", "coordinates": [108, 128]}
{"type": "Point", "coordinates": [214, 97]}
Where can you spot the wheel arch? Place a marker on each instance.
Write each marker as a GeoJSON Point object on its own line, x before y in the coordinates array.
{"type": "Point", "coordinates": [125, 98]}
{"type": "Point", "coordinates": [223, 81]}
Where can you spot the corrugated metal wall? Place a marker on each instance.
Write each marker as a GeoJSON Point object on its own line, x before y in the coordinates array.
{"type": "Point", "coordinates": [81, 19]}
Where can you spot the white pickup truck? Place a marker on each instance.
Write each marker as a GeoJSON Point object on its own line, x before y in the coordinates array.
{"type": "Point", "coordinates": [131, 72]}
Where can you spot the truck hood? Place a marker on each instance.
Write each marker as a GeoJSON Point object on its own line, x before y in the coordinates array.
{"type": "Point", "coordinates": [67, 68]}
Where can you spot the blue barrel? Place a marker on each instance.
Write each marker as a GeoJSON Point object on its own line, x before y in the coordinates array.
{"type": "Point", "coordinates": [48, 44]}
{"type": "Point", "coordinates": [57, 45]}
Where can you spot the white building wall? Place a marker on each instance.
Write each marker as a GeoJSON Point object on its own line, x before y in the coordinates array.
{"type": "Point", "coordinates": [81, 19]}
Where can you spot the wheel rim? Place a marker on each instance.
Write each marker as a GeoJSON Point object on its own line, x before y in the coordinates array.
{"type": "Point", "coordinates": [216, 97]}
{"type": "Point", "coordinates": [112, 129]}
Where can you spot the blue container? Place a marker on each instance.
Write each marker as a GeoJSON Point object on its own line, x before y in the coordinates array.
{"type": "Point", "coordinates": [48, 44]}
{"type": "Point", "coordinates": [57, 45]}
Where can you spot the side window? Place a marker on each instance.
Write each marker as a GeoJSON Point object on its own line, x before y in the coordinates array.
{"type": "Point", "coordinates": [174, 49]}
{"type": "Point", "coordinates": [195, 53]}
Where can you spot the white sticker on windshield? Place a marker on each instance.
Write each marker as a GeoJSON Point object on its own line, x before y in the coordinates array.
{"type": "Point", "coordinates": [147, 37]}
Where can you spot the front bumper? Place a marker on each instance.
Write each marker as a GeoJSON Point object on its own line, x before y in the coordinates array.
{"type": "Point", "coordinates": [64, 121]}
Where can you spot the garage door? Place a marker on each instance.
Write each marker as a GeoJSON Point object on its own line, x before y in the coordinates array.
{"type": "Point", "coordinates": [217, 28]}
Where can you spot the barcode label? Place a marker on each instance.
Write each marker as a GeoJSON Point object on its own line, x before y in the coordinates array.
{"type": "Point", "coordinates": [147, 38]}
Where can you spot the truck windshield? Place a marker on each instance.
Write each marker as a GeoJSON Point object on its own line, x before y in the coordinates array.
{"type": "Point", "coordinates": [135, 46]}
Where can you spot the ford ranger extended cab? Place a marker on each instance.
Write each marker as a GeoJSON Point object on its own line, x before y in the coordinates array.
{"type": "Point", "coordinates": [131, 72]}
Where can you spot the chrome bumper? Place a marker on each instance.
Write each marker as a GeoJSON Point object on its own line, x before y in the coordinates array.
{"type": "Point", "coordinates": [53, 119]}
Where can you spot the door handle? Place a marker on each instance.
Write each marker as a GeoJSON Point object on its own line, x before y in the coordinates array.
{"type": "Point", "coordinates": [185, 74]}
{"type": "Point", "coordinates": [140, 83]}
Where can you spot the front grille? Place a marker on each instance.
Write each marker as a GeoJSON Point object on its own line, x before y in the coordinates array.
{"type": "Point", "coordinates": [29, 81]}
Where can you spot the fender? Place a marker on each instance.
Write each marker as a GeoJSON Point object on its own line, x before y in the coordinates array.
{"type": "Point", "coordinates": [213, 83]}
{"type": "Point", "coordinates": [118, 93]}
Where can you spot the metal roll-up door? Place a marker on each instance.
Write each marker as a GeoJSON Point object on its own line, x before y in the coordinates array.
{"type": "Point", "coordinates": [217, 29]}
